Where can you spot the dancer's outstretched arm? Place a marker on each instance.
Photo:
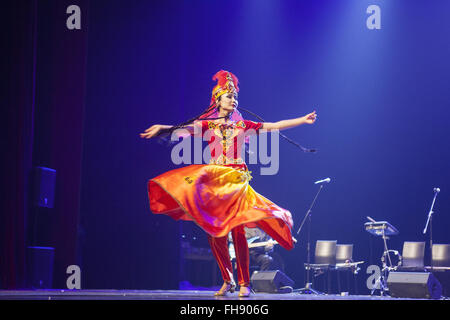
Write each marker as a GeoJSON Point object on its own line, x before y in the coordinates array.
{"type": "Point", "coordinates": [310, 118]}
{"type": "Point", "coordinates": [155, 129]}
{"type": "Point", "coordinates": [279, 125]}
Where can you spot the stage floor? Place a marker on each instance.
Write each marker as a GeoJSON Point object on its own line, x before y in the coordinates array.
{"type": "Point", "coordinates": [171, 295]}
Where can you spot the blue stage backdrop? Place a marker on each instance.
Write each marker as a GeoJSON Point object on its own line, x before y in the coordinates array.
{"type": "Point", "coordinates": [382, 96]}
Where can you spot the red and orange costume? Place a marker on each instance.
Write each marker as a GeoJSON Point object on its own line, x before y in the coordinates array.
{"type": "Point", "coordinates": [217, 196]}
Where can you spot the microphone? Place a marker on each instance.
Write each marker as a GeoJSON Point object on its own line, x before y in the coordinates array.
{"type": "Point", "coordinates": [327, 180]}
{"type": "Point", "coordinates": [437, 190]}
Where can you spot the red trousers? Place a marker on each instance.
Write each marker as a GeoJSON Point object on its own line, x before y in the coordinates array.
{"type": "Point", "coordinates": [219, 247]}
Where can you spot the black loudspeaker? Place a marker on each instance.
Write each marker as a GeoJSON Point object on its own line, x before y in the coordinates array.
{"type": "Point", "coordinates": [44, 180]}
{"type": "Point", "coordinates": [39, 267]}
{"type": "Point", "coordinates": [414, 285]}
{"type": "Point", "coordinates": [271, 282]}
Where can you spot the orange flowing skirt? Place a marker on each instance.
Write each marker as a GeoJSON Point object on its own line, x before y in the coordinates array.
{"type": "Point", "coordinates": [218, 198]}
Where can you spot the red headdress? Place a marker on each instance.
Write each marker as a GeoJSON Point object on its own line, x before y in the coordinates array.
{"type": "Point", "coordinates": [226, 83]}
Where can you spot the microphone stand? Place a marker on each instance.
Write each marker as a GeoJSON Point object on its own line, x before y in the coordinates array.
{"type": "Point", "coordinates": [308, 286]}
{"type": "Point", "coordinates": [429, 222]}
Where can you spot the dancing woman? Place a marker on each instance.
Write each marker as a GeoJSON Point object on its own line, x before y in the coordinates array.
{"type": "Point", "coordinates": [217, 196]}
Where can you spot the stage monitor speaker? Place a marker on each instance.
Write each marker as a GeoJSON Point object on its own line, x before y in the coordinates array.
{"type": "Point", "coordinates": [44, 180]}
{"type": "Point", "coordinates": [271, 282]}
{"type": "Point", "coordinates": [39, 267]}
{"type": "Point", "coordinates": [414, 285]}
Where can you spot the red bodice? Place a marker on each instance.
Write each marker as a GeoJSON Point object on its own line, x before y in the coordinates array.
{"type": "Point", "coordinates": [226, 140]}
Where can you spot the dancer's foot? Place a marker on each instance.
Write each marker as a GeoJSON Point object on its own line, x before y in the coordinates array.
{"type": "Point", "coordinates": [226, 287]}
{"type": "Point", "coordinates": [244, 292]}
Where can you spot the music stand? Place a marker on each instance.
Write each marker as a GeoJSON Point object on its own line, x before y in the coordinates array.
{"type": "Point", "coordinates": [308, 285]}
{"type": "Point", "coordinates": [383, 229]}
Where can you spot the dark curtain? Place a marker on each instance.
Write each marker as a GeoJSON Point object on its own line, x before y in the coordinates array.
{"type": "Point", "coordinates": [18, 44]}
{"type": "Point", "coordinates": [44, 90]}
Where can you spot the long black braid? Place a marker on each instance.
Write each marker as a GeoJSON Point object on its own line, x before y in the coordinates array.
{"type": "Point", "coordinates": [165, 132]}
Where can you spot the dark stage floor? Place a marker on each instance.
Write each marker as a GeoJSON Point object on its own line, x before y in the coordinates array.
{"type": "Point", "coordinates": [170, 295]}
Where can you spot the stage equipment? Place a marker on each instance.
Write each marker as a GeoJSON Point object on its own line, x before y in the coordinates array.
{"type": "Point", "coordinates": [308, 286]}
{"type": "Point", "coordinates": [441, 266]}
{"type": "Point", "coordinates": [380, 228]}
{"type": "Point", "coordinates": [271, 282]}
{"type": "Point", "coordinates": [383, 229]}
{"type": "Point", "coordinates": [414, 285]}
{"type": "Point", "coordinates": [344, 263]}
{"type": "Point", "coordinates": [324, 259]}
{"type": "Point", "coordinates": [327, 180]}
{"type": "Point", "coordinates": [39, 267]}
{"type": "Point", "coordinates": [429, 222]}
{"type": "Point", "coordinates": [39, 259]}
{"type": "Point", "coordinates": [44, 180]}
{"type": "Point", "coordinates": [412, 256]}
{"type": "Point", "coordinates": [441, 256]}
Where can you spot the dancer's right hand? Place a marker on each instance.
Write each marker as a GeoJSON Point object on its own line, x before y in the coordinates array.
{"type": "Point", "coordinates": [152, 131]}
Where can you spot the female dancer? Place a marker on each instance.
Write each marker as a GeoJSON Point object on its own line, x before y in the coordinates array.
{"type": "Point", "coordinates": [217, 196]}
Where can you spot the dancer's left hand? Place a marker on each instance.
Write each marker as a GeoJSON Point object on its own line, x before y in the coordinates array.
{"type": "Point", "coordinates": [310, 118]}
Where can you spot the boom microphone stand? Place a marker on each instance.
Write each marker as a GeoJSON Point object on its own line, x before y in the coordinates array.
{"type": "Point", "coordinates": [308, 286]}
{"type": "Point", "coordinates": [429, 221]}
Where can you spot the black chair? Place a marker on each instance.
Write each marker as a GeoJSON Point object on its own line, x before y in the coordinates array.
{"type": "Point", "coordinates": [344, 256]}
{"type": "Point", "coordinates": [440, 255]}
{"type": "Point", "coordinates": [344, 253]}
{"type": "Point", "coordinates": [324, 260]}
{"type": "Point", "coordinates": [440, 260]}
{"type": "Point", "coordinates": [412, 256]}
